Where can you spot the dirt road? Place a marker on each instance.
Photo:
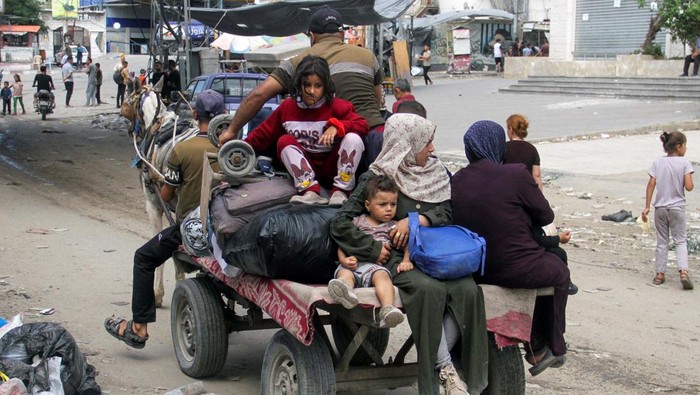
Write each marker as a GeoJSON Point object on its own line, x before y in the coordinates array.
{"type": "Point", "coordinates": [73, 215]}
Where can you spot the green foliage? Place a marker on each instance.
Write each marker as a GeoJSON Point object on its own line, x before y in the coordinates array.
{"type": "Point", "coordinates": [653, 50]}
{"type": "Point", "coordinates": [680, 17]}
{"type": "Point", "coordinates": [24, 12]}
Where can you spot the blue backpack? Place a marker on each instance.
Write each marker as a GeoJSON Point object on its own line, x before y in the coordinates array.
{"type": "Point", "coordinates": [445, 252]}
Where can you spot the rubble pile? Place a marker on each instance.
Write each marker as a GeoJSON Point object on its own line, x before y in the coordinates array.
{"type": "Point", "coordinates": [110, 122]}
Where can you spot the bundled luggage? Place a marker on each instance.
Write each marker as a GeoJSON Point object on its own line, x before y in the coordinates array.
{"type": "Point", "coordinates": [232, 207]}
{"type": "Point", "coordinates": [284, 241]}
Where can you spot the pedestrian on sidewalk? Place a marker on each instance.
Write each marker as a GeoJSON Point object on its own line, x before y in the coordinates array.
{"type": "Point", "coordinates": [119, 79]}
{"type": "Point", "coordinates": [692, 58]}
{"type": "Point", "coordinates": [498, 55]}
{"type": "Point", "coordinates": [17, 91]}
{"type": "Point", "coordinates": [6, 94]}
{"type": "Point", "coordinates": [98, 83]}
{"type": "Point", "coordinates": [90, 92]}
{"type": "Point", "coordinates": [67, 72]}
{"type": "Point", "coordinates": [79, 54]}
{"type": "Point", "coordinates": [672, 175]}
{"type": "Point", "coordinates": [425, 58]}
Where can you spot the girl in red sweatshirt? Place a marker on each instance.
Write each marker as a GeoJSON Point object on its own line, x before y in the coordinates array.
{"type": "Point", "coordinates": [318, 137]}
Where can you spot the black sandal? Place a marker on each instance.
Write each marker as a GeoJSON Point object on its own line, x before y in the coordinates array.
{"type": "Point", "coordinates": [547, 360]}
{"type": "Point", "coordinates": [129, 337]}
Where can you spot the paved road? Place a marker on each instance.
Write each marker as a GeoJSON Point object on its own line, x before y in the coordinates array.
{"type": "Point", "coordinates": [454, 104]}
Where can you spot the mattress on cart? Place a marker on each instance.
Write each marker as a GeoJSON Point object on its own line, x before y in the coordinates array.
{"type": "Point", "coordinates": [291, 304]}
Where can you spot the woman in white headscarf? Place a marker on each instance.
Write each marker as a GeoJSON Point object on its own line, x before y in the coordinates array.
{"type": "Point", "coordinates": [439, 312]}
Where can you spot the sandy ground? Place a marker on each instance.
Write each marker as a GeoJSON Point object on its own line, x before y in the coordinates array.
{"type": "Point", "coordinates": [73, 214]}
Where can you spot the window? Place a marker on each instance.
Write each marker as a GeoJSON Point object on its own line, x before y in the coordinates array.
{"type": "Point", "coordinates": [233, 87]}
{"type": "Point", "coordinates": [219, 85]}
{"type": "Point", "coordinates": [200, 86]}
{"type": "Point", "coordinates": [195, 87]}
{"type": "Point", "coordinates": [249, 85]}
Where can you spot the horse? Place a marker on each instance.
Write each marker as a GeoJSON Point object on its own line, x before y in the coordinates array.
{"type": "Point", "coordinates": [152, 130]}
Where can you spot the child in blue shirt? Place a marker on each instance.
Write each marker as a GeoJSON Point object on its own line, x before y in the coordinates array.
{"type": "Point", "coordinates": [6, 94]}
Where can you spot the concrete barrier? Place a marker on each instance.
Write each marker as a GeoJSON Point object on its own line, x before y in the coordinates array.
{"type": "Point", "coordinates": [621, 66]}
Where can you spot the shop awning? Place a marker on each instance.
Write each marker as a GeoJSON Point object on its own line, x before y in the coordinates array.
{"type": "Point", "coordinates": [19, 28]}
{"type": "Point", "coordinates": [291, 17]}
{"type": "Point", "coordinates": [445, 17]}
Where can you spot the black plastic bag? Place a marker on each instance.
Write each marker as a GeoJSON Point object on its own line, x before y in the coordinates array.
{"type": "Point", "coordinates": [45, 340]}
{"type": "Point", "coordinates": [292, 243]}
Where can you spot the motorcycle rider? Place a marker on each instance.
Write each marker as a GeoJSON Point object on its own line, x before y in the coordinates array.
{"type": "Point", "coordinates": [43, 81]}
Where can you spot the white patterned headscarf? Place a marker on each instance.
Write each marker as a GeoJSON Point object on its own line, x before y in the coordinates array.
{"type": "Point", "coordinates": [405, 135]}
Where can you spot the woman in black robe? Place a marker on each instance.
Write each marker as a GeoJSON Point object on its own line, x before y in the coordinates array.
{"type": "Point", "coordinates": [502, 203]}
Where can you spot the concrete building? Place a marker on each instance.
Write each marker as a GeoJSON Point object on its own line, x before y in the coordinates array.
{"type": "Point", "coordinates": [575, 29]}
{"type": "Point", "coordinates": [87, 30]}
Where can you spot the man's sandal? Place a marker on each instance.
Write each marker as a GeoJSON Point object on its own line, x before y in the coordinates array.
{"type": "Point", "coordinates": [546, 360]}
{"type": "Point", "coordinates": [659, 279]}
{"type": "Point", "coordinates": [129, 337]}
{"type": "Point", "coordinates": [685, 280]}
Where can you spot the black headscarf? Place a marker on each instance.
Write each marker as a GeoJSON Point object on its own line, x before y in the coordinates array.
{"type": "Point", "coordinates": [485, 140]}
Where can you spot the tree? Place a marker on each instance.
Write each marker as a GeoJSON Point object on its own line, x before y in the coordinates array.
{"type": "Point", "coordinates": [680, 17]}
{"type": "Point", "coordinates": [24, 12]}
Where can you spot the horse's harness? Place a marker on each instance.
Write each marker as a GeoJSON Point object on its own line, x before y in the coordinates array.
{"type": "Point", "coordinates": [133, 111]}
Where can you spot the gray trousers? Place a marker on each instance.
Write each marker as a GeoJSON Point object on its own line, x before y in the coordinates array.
{"type": "Point", "coordinates": [91, 99]}
{"type": "Point", "coordinates": [450, 335]}
{"type": "Point", "coordinates": [670, 220]}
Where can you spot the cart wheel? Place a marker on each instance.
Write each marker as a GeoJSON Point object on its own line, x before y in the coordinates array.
{"type": "Point", "coordinates": [218, 125]}
{"type": "Point", "coordinates": [506, 371]}
{"type": "Point", "coordinates": [198, 328]}
{"type": "Point", "coordinates": [342, 336]}
{"type": "Point", "coordinates": [236, 158]}
{"type": "Point", "coordinates": [289, 367]}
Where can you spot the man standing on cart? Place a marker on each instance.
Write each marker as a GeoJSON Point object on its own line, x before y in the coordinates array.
{"type": "Point", "coordinates": [184, 178]}
{"type": "Point", "coordinates": [355, 71]}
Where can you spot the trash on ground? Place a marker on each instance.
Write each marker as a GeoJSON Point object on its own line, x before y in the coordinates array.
{"type": "Point", "coordinates": [619, 216]}
{"type": "Point", "coordinates": [581, 195]}
{"type": "Point", "coordinates": [46, 358]}
{"type": "Point", "coordinates": [39, 231]}
{"type": "Point", "coordinates": [13, 386]}
{"type": "Point", "coordinates": [110, 122]}
{"type": "Point", "coordinates": [196, 388]}
{"type": "Point", "coordinates": [43, 311]}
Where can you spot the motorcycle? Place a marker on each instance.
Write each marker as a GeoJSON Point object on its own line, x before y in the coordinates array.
{"type": "Point", "coordinates": [43, 103]}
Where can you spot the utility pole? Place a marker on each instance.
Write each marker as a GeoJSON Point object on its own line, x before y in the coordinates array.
{"type": "Point", "coordinates": [188, 45]}
{"type": "Point", "coordinates": [514, 32]}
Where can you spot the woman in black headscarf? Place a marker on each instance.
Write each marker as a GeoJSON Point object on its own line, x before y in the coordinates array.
{"type": "Point", "coordinates": [502, 203]}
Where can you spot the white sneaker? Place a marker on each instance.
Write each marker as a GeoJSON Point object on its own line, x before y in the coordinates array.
{"type": "Point", "coordinates": [340, 292]}
{"type": "Point", "coordinates": [449, 379]}
{"type": "Point", "coordinates": [309, 197]}
{"type": "Point", "coordinates": [389, 317]}
{"type": "Point", "coordinates": [337, 199]}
